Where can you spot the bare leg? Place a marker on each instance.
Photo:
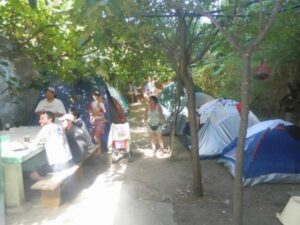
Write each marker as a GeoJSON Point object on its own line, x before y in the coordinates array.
{"type": "Point", "coordinates": [98, 143]}
{"type": "Point", "coordinates": [152, 141]}
{"type": "Point", "coordinates": [35, 176]}
{"type": "Point", "coordinates": [160, 141]}
{"type": "Point", "coordinates": [97, 133]}
{"type": "Point", "coordinates": [99, 150]}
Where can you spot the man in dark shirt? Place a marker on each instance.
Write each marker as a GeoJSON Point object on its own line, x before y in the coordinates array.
{"type": "Point", "coordinates": [78, 141]}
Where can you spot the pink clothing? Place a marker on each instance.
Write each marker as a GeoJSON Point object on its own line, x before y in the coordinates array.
{"type": "Point", "coordinates": [98, 128]}
{"type": "Point", "coordinates": [96, 111]}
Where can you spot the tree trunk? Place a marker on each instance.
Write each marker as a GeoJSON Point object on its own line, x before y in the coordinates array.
{"type": "Point", "coordinates": [189, 86]}
{"type": "Point", "coordinates": [197, 176]}
{"type": "Point", "coordinates": [174, 113]}
{"type": "Point", "coordinates": [238, 181]}
{"type": "Point", "coordinates": [245, 53]}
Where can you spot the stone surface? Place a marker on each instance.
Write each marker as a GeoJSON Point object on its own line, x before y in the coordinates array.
{"type": "Point", "coordinates": [16, 111]}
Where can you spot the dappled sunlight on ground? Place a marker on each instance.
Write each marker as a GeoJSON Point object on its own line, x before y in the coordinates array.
{"type": "Point", "coordinates": [148, 153]}
{"type": "Point", "coordinates": [139, 130]}
{"type": "Point", "coordinates": [110, 193]}
{"type": "Point", "coordinates": [165, 155]}
{"type": "Point", "coordinates": [97, 203]}
{"type": "Point", "coordinates": [152, 189]}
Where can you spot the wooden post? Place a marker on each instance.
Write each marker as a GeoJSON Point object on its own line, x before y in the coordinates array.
{"type": "Point", "coordinates": [51, 198]}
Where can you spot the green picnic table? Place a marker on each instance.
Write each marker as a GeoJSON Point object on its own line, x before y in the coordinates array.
{"type": "Point", "coordinates": [16, 160]}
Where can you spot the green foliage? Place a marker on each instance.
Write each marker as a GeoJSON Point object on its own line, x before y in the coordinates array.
{"type": "Point", "coordinates": [125, 55]}
{"type": "Point", "coordinates": [126, 40]}
{"type": "Point", "coordinates": [220, 72]}
{"type": "Point", "coordinates": [47, 38]}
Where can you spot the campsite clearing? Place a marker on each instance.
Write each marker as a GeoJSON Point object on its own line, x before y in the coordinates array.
{"type": "Point", "coordinates": [150, 190]}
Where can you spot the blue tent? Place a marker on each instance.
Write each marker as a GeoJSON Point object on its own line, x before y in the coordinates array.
{"type": "Point", "coordinates": [79, 96]}
{"type": "Point", "coordinates": [272, 153]}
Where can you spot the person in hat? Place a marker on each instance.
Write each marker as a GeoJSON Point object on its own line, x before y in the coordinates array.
{"type": "Point", "coordinates": [96, 111]}
{"type": "Point", "coordinates": [56, 146]}
{"type": "Point", "coordinates": [78, 140]}
{"type": "Point", "coordinates": [51, 103]}
{"type": "Point", "coordinates": [81, 124]}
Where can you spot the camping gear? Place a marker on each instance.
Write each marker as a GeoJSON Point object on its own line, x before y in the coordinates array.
{"type": "Point", "coordinates": [290, 214]}
{"type": "Point", "coordinates": [167, 100]}
{"type": "Point", "coordinates": [119, 141]}
{"type": "Point", "coordinates": [221, 122]}
{"type": "Point", "coordinates": [262, 72]}
{"type": "Point", "coordinates": [271, 154]}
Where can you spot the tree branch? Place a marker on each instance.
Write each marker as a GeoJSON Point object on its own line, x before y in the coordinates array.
{"type": "Point", "coordinates": [205, 48]}
{"type": "Point", "coordinates": [231, 38]}
{"type": "Point", "coordinates": [215, 13]}
{"type": "Point", "coordinates": [87, 53]}
{"type": "Point", "coordinates": [268, 26]}
{"type": "Point", "coordinates": [169, 51]}
{"type": "Point", "coordinates": [28, 40]}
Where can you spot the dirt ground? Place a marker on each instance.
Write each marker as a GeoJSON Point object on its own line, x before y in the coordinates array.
{"type": "Point", "coordinates": [151, 190]}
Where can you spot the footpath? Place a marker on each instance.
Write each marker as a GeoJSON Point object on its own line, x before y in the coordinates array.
{"type": "Point", "coordinates": [153, 191]}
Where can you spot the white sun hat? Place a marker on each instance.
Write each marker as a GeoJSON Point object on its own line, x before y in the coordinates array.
{"type": "Point", "coordinates": [67, 116]}
{"type": "Point", "coordinates": [291, 212]}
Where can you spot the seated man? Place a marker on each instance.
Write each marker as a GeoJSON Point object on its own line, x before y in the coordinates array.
{"type": "Point", "coordinates": [82, 125]}
{"type": "Point", "coordinates": [78, 140]}
{"type": "Point", "coordinates": [57, 149]}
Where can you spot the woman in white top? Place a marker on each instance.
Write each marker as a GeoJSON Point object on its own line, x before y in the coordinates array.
{"type": "Point", "coordinates": [153, 118]}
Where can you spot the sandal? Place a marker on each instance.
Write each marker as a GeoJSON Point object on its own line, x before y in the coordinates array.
{"type": "Point", "coordinates": [161, 152]}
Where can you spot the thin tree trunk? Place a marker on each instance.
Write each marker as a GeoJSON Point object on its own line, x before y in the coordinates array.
{"type": "Point", "coordinates": [238, 180]}
{"type": "Point", "coordinates": [189, 86]}
{"type": "Point", "coordinates": [197, 176]}
{"type": "Point", "coordinates": [175, 112]}
{"type": "Point", "coordinates": [245, 53]}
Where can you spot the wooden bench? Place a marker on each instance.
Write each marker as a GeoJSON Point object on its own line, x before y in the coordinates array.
{"type": "Point", "coordinates": [50, 186]}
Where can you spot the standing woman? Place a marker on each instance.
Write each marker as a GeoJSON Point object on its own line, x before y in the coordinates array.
{"type": "Point", "coordinates": [96, 111]}
{"type": "Point", "coordinates": [153, 118]}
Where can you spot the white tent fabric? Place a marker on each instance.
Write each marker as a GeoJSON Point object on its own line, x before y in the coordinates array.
{"type": "Point", "coordinates": [221, 121]}
{"type": "Point", "coordinates": [182, 118]}
{"type": "Point", "coordinates": [180, 123]}
{"type": "Point", "coordinates": [265, 125]}
{"type": "Point", "coordinates": [201, 98]}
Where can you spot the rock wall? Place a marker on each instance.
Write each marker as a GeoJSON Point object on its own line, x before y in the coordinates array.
{"type": "Point", "coordinates": [16, 110]}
